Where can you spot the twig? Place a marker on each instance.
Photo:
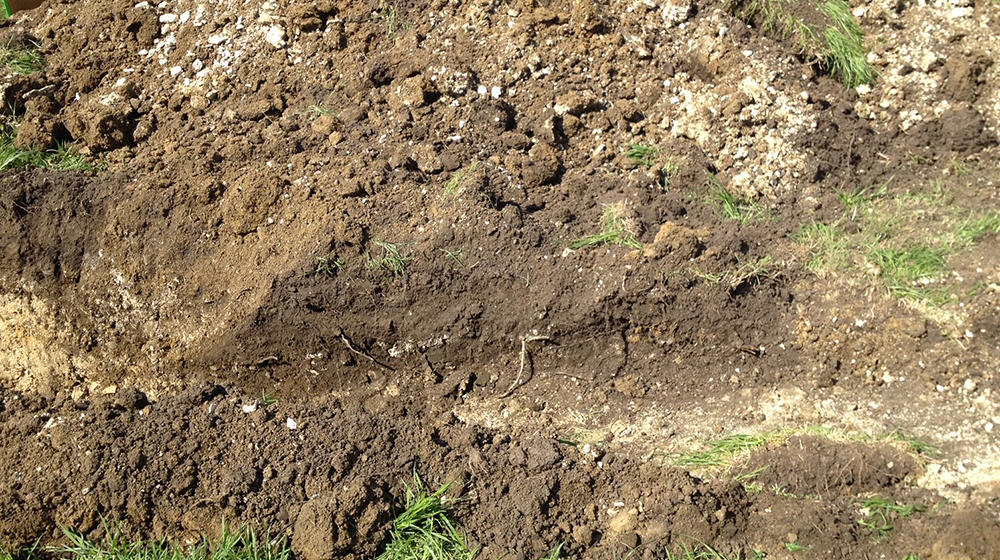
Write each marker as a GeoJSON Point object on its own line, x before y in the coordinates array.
{"type": "Point", "coordinates": [524, 359]}
{"type": "Point", "coordinates": [362, 353]}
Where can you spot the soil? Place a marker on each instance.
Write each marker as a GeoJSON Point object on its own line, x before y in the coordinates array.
{"type": "Point", "coordinates": [199, 330]}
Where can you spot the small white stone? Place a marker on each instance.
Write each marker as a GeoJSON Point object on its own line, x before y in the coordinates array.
{"type": "Point", "coordinates": [292, 424]}
{"type": "Point", "coordinates": [216, 40]}
{"type": "Point", "coordinates": [248, 408]}
{"type": "Point", "coordinates": [168, 18]}
{"type": "Point", "coordinates": [185, 17]}
{"type": "Point", "coordinates": [988, 427]}
{"type": "Point", "coordinates": [176, 70]}
{"type": "Point", "coordinates": [275, 37]}
{"type": "Point", "coordinates": [197, 65]}
{"type": "Point", "coordinates": [495, 92]}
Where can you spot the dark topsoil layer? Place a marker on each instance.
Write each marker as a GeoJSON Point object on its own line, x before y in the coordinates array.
{"type": "Point", "coordinates": [188, 269]}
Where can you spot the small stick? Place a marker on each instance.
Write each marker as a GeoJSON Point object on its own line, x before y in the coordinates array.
{"type": "Point", "coordinates": [524, 358]}
{"type": "Point", "coordinates": [351, 347]}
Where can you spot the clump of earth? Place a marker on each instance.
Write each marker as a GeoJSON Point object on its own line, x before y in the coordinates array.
{"type": "Point", "coordinates": [330, 244]}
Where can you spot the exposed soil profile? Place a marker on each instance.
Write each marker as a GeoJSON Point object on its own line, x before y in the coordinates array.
{"type": "Point", "coordinates": [535, 249]}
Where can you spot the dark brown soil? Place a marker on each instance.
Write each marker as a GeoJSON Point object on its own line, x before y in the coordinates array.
{"type": "Point", "coordinates": [255, 159]}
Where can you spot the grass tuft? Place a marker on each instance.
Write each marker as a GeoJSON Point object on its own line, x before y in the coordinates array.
{"type": "Point", "coordinates": [845, 53]}
{"type": "Point", "coordinates": [907, 272]}
{"type": "Point", "coordinates": [615, 230]}
{"type": "Point", "coordinates": [241, 544]}
{"type": "Point", "coordinates": [62, 158]}
{"type": "Point", "coordinates": [736, 208]}
{"type": "Point", "coordinates": [642, 155]}
{"type": "Point", "coordinates": [392, 258]}
{"type": "Point", "coordinates": [879, 514]}
{"type": "Point", "coordinates": [458, 180]}
{"type": "Point", "coordinates": [838, 41]}
{"type": "Point", "coordinates": [327, 265]}
{"type": "Point", "coordinates": [21, 57]}
{"type": "Point", "coordinates": [424, 531]}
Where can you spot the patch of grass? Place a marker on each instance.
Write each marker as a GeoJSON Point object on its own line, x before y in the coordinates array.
{"type": "Point", "coordinates": [914, 446]}
{"type": "Point", "coordinates": [455, 256]}
{"type": "Point", "coordinates": [25, 553]}
{"type": "Point", "coordinates": [731, 207]}
{"type": "Point", "coordinates": [724, 452]}
{"type": "Point", "coordinates": [458, 180]}
{"type": "Point", "coordinates": [902, 240]}
{"type": "Point", "coordinates": [857, 199]}
{"type": "Point", "coordinates": [391, 20]}
{"type": "Point", "coordinates": [972, 229]}
{"type": "Point", "coordinates": [836, 40]}
{"type": "Point", "coordinates": [795, 547]}
{"type": "Point", "coordinates": [746, 272]}
{"type": "Point", "coordinates": [320, 111]}
{"type": "Point", "coordinates": [845, 52]}
{"type": "Point", "coordinates": [721, 452]}
{"type": "Point", "coordinates": [62, 158]}
{"type": "Point", "coordinates": [642, 155]}
{"type": "Point", "coordinates": [555, 553]}
{"type": "Point", "coordinates": [241, 544]}
{"type": "Point", "coordinates": [828, 245]}
{"type": "Point", "coordinates": [21, 58]}
{"type": "Point", "coordinates": [648, 158]}
{"type": "Point", "coordinates": [424, 531]}
{"type": "Point", "coordinates": [903, 270]}
{"type": "Point", "coordinates": [878, 515]}
{"type": "Point", "coordinates": [615, 230]}
{"type": "Point", "coordinates": [327, 265]}
{"type": "Point", "coordinates": [392, 258]}
{"type": "Point", "coordinates": [267, 398]}
{"type": "Point", "coordinates": [703, 551]}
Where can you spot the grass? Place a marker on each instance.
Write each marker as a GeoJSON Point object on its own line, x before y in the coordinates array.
{"type": "Point", "coordinates": [903, 270]}
{"type": "Point", "coordinates": [392, 258]}
{"type": "Point", "coordinates": [795, 547]}
{"type": "Point", "coordinates": [327, 265]}
{"type": "Point", "coordinates": [241, 544]}
{"type": "Point", "coordinates": [455, 256]}
{"type": "Point", "coordinates": [648, 158]}
{"type": "Point", "coordinates": [642, 155]}
{"type": "Point", "coordinates": [393, 23]}
{"type": "Point", "coordinates": [423, 531]}
{"type": "Point", "coordinates": [704, 551]}
{"type": "Point", "coordinates": [902, 240]}
{"type": "Point", "coordinates": [837, 42]}
{"type": "Point", "coordinates": [615, 230]}
{"type": "Point", "coordinates": [722, 452]}
{"type": "Point", "coordinates": [21, 58]}
{"type": "Point", "coordinates": [725, 451]}
{"type": "Point", "coordinates": [62, 158]}
{"type": "Point", "coordinates": [878, 515]}
{"type": "Point", "coordinates": [318, 111]}
{"type": "Point", "coordinates": [459, 179]}
{"type": "Point", "coordinates": [731, 207]}
{"type": "Point", "coordinates": [974, 228]}
{"type": "Point", "coordinates": [745, 272]}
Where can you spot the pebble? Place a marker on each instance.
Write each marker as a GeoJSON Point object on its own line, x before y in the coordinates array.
{"type": "Point", "coordinates": [275, 37]}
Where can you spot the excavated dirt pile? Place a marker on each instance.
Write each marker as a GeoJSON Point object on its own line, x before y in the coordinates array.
{"type": "Point", "coordinates": [330, 244]}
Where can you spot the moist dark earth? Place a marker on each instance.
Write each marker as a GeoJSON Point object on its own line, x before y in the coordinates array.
{"type": "Point", "coordinates": [327, 245]}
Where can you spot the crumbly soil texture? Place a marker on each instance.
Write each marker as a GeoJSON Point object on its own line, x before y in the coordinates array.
{"type": "Point", "coordinates": [330, 244]}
